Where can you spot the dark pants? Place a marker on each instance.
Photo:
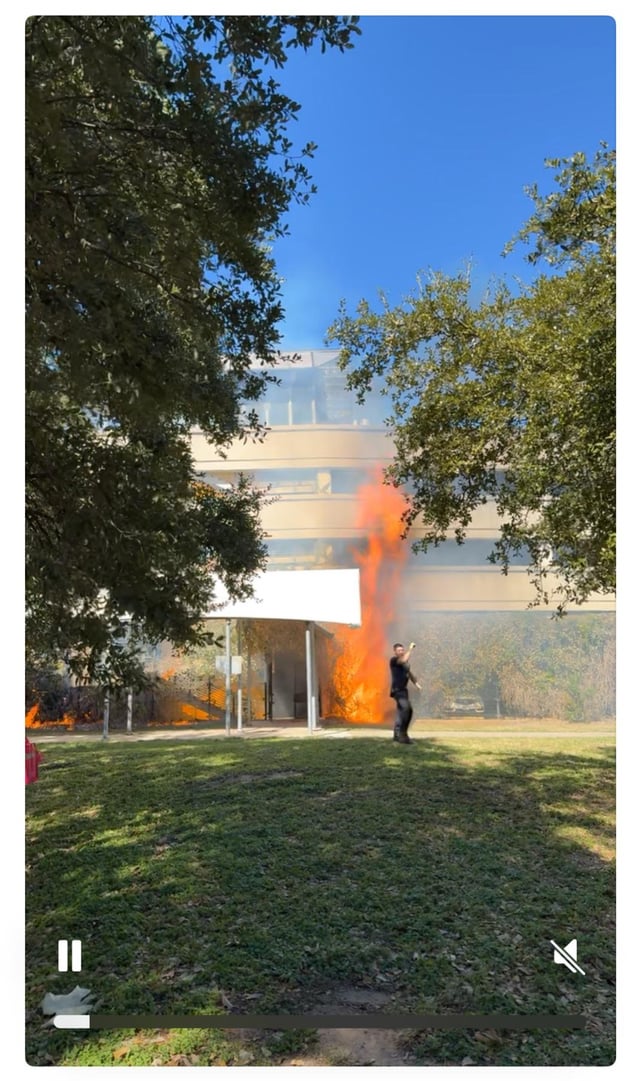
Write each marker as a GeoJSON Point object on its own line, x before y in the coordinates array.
{"type": "Point", "coordinates": [405, 713]}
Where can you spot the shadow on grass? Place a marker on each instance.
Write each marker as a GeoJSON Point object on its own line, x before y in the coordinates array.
{"type": "Point", "coordinates": [270, 873]}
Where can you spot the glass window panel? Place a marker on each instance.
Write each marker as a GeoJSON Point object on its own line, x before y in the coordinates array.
{"type": "Point", "coordinates": [302, 412]}
{"type": "Point", "coordinates": [278, 413]}
{"type": "Point", "coordinates": [347, 481]}
{"type": "Point", "coordinates": [473, 553]}
{"type": "Point", "coordinates": [287, 480]}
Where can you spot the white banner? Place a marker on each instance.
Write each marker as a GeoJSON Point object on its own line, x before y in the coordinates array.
{"type": "Point", "coordinates": [317, 596]}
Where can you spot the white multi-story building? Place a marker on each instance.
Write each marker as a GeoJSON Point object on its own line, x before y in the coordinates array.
{"type": "Point", "coordinates": [321, 447]}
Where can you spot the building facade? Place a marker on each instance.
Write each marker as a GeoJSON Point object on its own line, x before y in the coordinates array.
{"type": "Point", "coordinates": [321, 448]}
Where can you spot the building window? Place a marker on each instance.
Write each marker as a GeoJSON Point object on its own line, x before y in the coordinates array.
{"type": "Point", "coordinates": [283, 481]}
{"type": "Point", "coordinates": [473, 553]}
{"type": "Point", "coordinates": [318, 395]}
{"type": "Point", "coordinates": [334, 552]}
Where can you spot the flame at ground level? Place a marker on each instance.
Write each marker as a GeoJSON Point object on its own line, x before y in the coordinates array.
{"type": "Point", "coordinates": [166, 705]}
{"type": "Point", "coordinates": [33, 720]}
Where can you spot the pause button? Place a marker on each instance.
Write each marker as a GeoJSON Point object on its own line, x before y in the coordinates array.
{"type": "Point", "coordinates": [63, 955]}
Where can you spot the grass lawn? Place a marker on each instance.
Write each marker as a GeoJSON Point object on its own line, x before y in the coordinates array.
{"type": "Point", "coordinates": [272, 874]}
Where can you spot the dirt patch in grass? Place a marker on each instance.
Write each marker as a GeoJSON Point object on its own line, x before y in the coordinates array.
{"type": "Point", "coordinates": [353, 1046]}
{"type": "Point", "coordinates": [363, 1046]}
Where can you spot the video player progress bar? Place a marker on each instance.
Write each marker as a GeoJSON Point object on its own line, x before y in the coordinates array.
{"type": "Point", "coordinates": [317, 1020]}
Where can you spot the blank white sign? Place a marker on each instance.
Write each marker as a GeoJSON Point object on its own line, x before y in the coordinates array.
{"type": "Point", "coordinates": [318, 596]}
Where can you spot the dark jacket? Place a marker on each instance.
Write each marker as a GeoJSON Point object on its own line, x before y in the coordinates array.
{"type": "Point", "coordinates": [400, 676]}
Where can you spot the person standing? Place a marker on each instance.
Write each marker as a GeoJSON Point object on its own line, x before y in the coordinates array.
{"type": "Point", "coordinates": [400, 675]}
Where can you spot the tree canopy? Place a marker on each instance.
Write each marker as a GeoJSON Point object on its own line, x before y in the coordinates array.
{"type": "Point", "coordinates": [158, 171]}
{"type": "Point", "coordinates": [511, 398]}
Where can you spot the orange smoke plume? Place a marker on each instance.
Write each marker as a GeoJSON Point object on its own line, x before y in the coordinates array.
{"type": "Point", "coordinates": [361, 676]}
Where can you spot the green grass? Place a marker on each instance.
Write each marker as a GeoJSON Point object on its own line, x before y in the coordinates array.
{"type": "Point", "coordinates": [268, 872]}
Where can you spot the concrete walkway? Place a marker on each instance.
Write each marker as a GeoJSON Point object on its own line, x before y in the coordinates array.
{"type": "Point", "coordinates": [300, 731]}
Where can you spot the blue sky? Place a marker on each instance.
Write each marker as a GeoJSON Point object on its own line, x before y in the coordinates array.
{"type": "Point", "coordinates": [428, 132]}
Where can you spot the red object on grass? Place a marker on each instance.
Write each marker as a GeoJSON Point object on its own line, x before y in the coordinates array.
{"type": "Point", "coordinates": [32, 757]}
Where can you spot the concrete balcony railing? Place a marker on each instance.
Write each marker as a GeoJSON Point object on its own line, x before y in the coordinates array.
{"type": "Point", "coordinates": [304, 447]}
{"type": "Point", "coordinates": [469, 589]}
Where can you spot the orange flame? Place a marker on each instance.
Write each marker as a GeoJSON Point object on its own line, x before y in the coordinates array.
{"type": "Point", "coordinates": [33, 720]}
{"type": "Point", "coordinates": [361, 666]}
{"type": "Point", "coordinates": [174, 710]}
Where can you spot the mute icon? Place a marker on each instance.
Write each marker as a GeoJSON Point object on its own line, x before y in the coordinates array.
{"type": "Point", "coordinates": [567, 956]}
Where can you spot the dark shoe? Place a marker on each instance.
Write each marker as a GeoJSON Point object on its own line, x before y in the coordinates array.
{"type": "Point", "coordinates": [405, 739]}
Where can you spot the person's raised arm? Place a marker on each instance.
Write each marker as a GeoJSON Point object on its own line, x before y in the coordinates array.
{"type": "Point", "coordinates": [407, 653]}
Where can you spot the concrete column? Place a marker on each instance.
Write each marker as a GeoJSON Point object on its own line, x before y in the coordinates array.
{"type": "Point", "coordinates": [309, 672]}
{"type": "Point", "coordinates": [248, 683]}
{"type": "Point", "coordinates": [105, 715]}
{"type": "Point", "coordinates": [314, 680]}
{"type": "Point", "coordinates": [227, 677]}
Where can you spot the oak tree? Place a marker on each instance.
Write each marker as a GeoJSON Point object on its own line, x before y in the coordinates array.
{"type": "Point", "coordinates": [158, 172]}
{"type": "Point", "coordinates": [511, 398]}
